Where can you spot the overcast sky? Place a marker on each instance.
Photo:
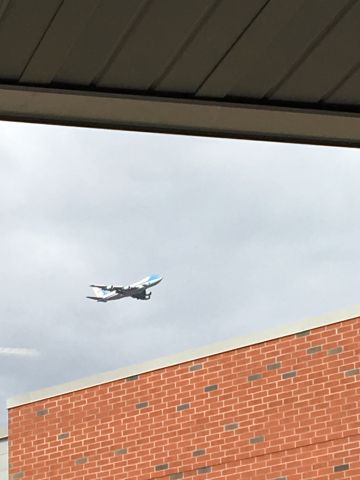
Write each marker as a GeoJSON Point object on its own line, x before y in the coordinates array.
{"type": "Point", "coordinates": [247, 235]}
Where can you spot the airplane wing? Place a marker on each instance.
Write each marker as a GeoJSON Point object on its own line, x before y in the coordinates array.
{"type": "Point", "coordinates": [118, 289]}
{"type": "Point", "coordinates": [98, 299]}
{"type": "Point", "coordinates": [110, 288]}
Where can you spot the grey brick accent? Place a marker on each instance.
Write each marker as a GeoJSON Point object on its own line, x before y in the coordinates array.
{"type": "Point", "coordinates": [163, 466]}
{"type": "Point", "coordinates": [281, 478]}
{"type": "Point", "coordinates": [176, 476]}
{"type": "Point", "coordinates": [273, 366]}
{"type": "Point", "coordinates": [183, 406]}
{"type": "Point", "coordinates": [203, 470]}
{"type": "Point", "coordinates": [258, 439]}
{"type": "Point", "coordinates": [18, 475]}
{"type": "Point", "coordinates": [198, 453]}
{"type": "Point", "coordinates": [64, 435]}
{"type": "Point", "coordinates": [142, 405]}
{"type": "Point", "coordinates": [355, 371]}
{"type": "Point", "coordinates": [289, 374]}
{"type": "Point", "coordinates": [81, 461]}
{"type": "Point", "coordinates": [341, 468]}
{"type": "Point", "coordinates": [231, 426]}
{"type": "Point", "coordinates": [42, 413]}
{"type": "Point", "coordinates": [211, 388]}
{"type": "Point", "coordinates": [132, 378]}
{"type": "Point", "coordinates": [314, 349]}
{"type": "Point", "coordinates": [193, 368]}
{"type": "Point", "coordinates": [334, 351]}
{"type": "Point", "coordinates": [256, 376]}
{"type": "Point", "coordinates": [121, 451]}
{"type": "Point", "coordinates": [305, 333]}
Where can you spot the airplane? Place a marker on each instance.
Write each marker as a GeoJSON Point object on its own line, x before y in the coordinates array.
{"type": "Point", "coordinates": [105, 293]}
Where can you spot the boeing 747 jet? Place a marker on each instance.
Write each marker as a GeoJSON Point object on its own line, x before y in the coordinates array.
{"type": "Point", "coordinates": [105, 293]}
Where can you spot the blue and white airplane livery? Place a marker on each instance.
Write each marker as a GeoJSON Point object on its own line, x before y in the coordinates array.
{"type": "Point", "coordinates": [105, 293]}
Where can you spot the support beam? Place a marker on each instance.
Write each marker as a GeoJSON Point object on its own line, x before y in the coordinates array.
{"type": "Point", "coordinates": [179, 116]}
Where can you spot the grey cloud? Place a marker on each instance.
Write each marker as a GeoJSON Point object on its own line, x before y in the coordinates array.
{"type": "Point", "coordinates": [246, 234]}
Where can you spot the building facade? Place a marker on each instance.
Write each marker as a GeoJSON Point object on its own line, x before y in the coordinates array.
{"type": "Point", "coordinates": [284, 408]}
{"type": "Point", "coordinates": [3, 455]}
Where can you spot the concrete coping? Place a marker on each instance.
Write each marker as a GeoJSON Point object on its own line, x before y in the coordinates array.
{"type": "Point", "coordinates": [187, 356]}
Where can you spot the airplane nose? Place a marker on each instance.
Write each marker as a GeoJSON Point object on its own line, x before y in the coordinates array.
{"type": "Point", "coordinates": [155, 278]}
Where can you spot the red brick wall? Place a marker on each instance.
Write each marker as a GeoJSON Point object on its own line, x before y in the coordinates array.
{"type": "Point", "coordinates": [282, 409]}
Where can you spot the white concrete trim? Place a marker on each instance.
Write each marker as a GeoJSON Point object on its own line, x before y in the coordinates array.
{"type": "Point", "coordinates": [195, 354]}
{"type": "Point", "coordinates": [181, 116]}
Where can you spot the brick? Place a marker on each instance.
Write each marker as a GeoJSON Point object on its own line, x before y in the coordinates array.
{"type": "Point", "coordinates": [121, 451]}
{"type": "Point", "coordinates": [18, 475]}
{"type": "Point", "coordinates": [203, 470]}
{"type": "Point", "coordinates": [341, 468]}
{"type": "Point", "coordinates": [355, 371]}
{"type": "Point", "coordinates": [142, 405]}
{"type": "Point", "coordinates": [64, 435]}
{"type": "Point", "coordinates": [183, 406]}
{"type": "Point", "coordinates": [273, 366]}
{"type": "Point", "coordinates": [281, 478]}
{"type": "Point", "coordinates": [304, 333]}
{"type": "Point", "coordinates": [196, 367]}
{"type": "Point", "coordinates": [231, 426]}
{"type": "Point", "coordinates": [176, 476]}
{"type": "Point", "coordinates": [211, 388]}
{"type": "Point", "coordinates": [198, 453]}
{"type": "Point", "coordinates": [335, 350]}
{"type": "Point", "coordinates": [256, 376]}
{"type": "Point", "coordinates": [312, 350]}
{"type": "Point", "coordinates": [163, 466]}
{"type": "Point", "coordinates": [258, 439]}
{"type": "Point", "coordinates": [289, 375]}
{"type": "Point", "coordinates": [43, 412]}
{"type": "Point", "coordinates": [81, 461]}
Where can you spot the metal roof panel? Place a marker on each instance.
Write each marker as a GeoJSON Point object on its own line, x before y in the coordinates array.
{"type": "Point", "coordinates": [210, 44]}
{"type": "Point", "coordinates": [152, 44]}
{"type": "Point", "coordinates": [57, 41]}
{"type": "Point", "coordinates": [99, 40]}
{"type": "Point", "coordinates": [327, 65]}
{"type": "Point", "coordinates": [22, 26]}
{"type": "Point", "coordinates": [273, 60]}
{"type": "Point", "coordinates": [251, 44]}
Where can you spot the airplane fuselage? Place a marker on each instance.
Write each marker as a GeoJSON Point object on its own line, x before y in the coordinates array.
{"type": "Point", "coordinates": [135, 290]}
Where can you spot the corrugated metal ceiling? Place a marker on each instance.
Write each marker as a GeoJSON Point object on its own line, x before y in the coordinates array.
{"type": "Point", "coordinates": [296, 53]}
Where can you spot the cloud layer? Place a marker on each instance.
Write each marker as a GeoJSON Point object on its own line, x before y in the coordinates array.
{"type": "Point", "coordinates": [246, 235]}
{"type": "Point", "coordinates": [21, 352]}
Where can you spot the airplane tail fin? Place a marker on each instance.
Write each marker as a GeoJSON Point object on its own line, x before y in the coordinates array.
{"type": "Point", "coordinates": [99, 292]}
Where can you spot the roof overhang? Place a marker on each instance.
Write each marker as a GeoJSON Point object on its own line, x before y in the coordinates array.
{"type": "Point", "coordinates": [179, 116]}
{"type": "Point", "coordinates": [256, 69]}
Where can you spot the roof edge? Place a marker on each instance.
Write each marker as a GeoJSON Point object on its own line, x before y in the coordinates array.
{"type": "Point", "coordinates": [3, 433]}
{"type": "Point", "coordinates": [293, 123]}
{"type": "Point", "coordinates": [183, 357]}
